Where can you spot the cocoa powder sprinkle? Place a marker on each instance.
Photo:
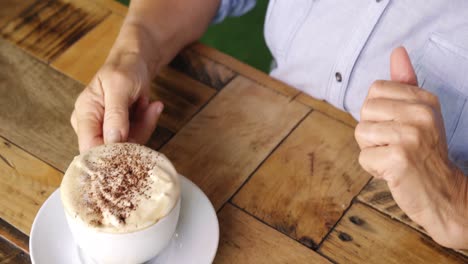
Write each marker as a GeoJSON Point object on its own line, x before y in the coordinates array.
{"type": "Point", "coordinates": [124, 178]}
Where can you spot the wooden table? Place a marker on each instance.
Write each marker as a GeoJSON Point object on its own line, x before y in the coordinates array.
{"type": "Point", "coordinates": [280, 167]}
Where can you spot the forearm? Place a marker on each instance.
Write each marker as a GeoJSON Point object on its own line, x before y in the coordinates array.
{"type": "Point", "coordinates": [156, 30]}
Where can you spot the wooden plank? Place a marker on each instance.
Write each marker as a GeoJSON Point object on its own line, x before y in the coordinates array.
{"type": "Point", "coordinates": [366, 236]}
{"type": "Point", "coordinates": [304, 187]}
{"type": "Point", "coordinates": [203, 69]}
{"type": "Point", "coordinates": [25, 183]}
{"type": "Point", "coordinates": [11, 8]}
{"type": "Point", "coordinates": [245, 240]}
{"type": "Point", "coordinates": [19, 258]}
{"type": "Point", "coordinates": [160, 137]}
{"type": "Point", "coordinates": [7, 251]}
{"type": "Point", "coordinates": [11, 234]}
{"type": "Point", "coordinates": [36, 103]}
{"type": "Point", "coordinates": [377, 195]}
{"type": "Point", "coordinates": [327, 109]}
{"type": "Point", "coordinates": [82, 60]}
{"type": "Point", "coordinates": [181, 95]}
{"type": "Point", "coordinates": [224, 143]}
{"type": "Point", "coordinates": [114, 6]}
{"type": "Point", "coordinates": [244, 69]}
{"type": "Point", "coordinates": [49, 27]}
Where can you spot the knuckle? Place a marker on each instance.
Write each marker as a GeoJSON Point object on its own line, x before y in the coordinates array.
{"type": "Point", "coordinates": [367, 108]}
{"type": "Point", "coordinates": [378, 84]}
{"type": "Point", "coordinates": [115, 113]}
{"type": "Point", "coordinates": [425, 113]}
{"type": "Point", "coordinates": [114, 78]}
{"type": "Point", "coordinates": [79, 101]}
{"type": "Point", "coordinates": [399, 157]}
{"type": "Point", "coordinates": [432, 98]}
{"type": "Point", "coordinates": [362, 159]}
{"type": "Point", "coordinates": [429, 97]}
{"type": "Point", "coordinates": [358, 131]}
{"type": "Point", "coordinates": [360, 135]}
{"type": "Point", "coordinates": [376, 87]}
{"type": "Point", "coordinates": [412, 135]}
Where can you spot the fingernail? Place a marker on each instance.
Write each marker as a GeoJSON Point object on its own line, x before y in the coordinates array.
{"type": "Point", "coordinates": [160, 108]}
{"type": "Point", "coordinates": [113, 136]}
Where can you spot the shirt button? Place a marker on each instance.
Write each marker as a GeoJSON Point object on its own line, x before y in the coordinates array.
{"type": "Point", "coordinates": [338, 77]}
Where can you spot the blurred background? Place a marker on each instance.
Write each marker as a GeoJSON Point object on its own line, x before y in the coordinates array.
{"type": "Point", "coordinates": [241, 37]}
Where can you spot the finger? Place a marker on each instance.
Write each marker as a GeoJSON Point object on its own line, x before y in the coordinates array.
{"type": "Point", "coordinates": [89, 126]}
{"type": "Point", "coordinates": [116, 115]}
{"type": "Point", "coordinates": [138, 108]}
{"type": "Point", "coordinates": [374, 134]}
{"type": "Point", "coordinates": [398, 91]}
{"type": "Point", "coordinates": [385, 162]}
{"type": "Point", "coordinates": [89, 133]}
{"type": "Point", "coordinates": [144, 125]}
{"type": "Point", "coordinates": [375, 160]}
{"type": "Point", "coordinates": [377, 110]}
{"type": "Point", "coordinates": [401, 69]}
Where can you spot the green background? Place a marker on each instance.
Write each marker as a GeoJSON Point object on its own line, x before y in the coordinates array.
{"type": "Point", "coordinates": [241, 37]}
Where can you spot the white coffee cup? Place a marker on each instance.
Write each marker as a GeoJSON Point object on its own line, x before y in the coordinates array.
{"type": "Point", "coordinates": [133, 247]}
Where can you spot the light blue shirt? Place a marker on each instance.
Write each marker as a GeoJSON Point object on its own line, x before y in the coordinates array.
{"type": "Point", "coordinates": [334, 50]}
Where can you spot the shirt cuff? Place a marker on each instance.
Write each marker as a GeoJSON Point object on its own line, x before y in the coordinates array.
{"type": "Point", "coordinates": [234, 8]}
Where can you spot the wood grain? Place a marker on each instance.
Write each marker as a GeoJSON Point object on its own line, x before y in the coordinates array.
{"type": "Point", "coordinates": [12, 235]}
{"type": "Point", "coordinates": [11, 8]}
{"type": "Point", "coordinates": [304, 187]}
{"type": "Point", "coordinates": [159, 137]}
{"type": "Point", "coordinates": [245, 70]}
{"type": "Point", "coordinates": [224, 143]}
{"type": "Point", "coordinates": [49, 27]}
{"type": "Point", "coordinates": [36, 104]}
{"type": "Point", "coordinates": [377, 195]}
{"type": "Point", "coordinates": [25, 183]}
{"type": "Point", "coordinates": [19, 258]}
{"type": "Point", "coordinates": [366, 236]}
{"type": "Point", "coordinates": [7, 251]}
{"type": "Point", "coordinates": [114, 6]}
{"type": "Point", "coordinates": [246, 240]}
{"type": "Point", "coordinates": [203, 69]}
{"type": "Point", "coordinates": [82, 60]}
{"type": "Point", "coordinates": [327, 109]}
{"type": "Point", "coordinates": [182, 97]}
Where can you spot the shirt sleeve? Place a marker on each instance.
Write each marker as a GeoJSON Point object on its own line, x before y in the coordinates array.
{"type": "Point", "coordinates": [233, 8]}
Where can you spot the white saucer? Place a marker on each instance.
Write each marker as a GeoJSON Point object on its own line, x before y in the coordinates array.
{"type": "Point", "coordinates": [195, 241]}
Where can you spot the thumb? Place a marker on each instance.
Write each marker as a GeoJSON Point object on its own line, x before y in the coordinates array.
{"type": "Point", "coordinates": [401, 69]}
{"type": "Point", "coordinates": [116, 116]}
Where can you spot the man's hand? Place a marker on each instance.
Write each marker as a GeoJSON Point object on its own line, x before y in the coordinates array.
{"type": "Point", "coordinates": [115, 107]}
{"type": "Point", "coordinates": [402, 139]}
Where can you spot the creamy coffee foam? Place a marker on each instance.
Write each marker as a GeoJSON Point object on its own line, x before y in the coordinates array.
{"type": "Point", "coordinates": [120, 188]}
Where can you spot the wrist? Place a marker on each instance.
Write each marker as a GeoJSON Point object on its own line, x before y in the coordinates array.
{"type": "Point", "coordinates": [456, 216]}
{"type": "Point", "coordinates": [135, 44]}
